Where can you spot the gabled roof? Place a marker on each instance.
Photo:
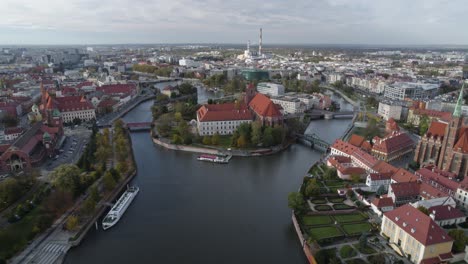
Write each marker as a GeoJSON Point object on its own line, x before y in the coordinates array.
{"type": "Point", "coordinates": [418, 225]}
{"type": "Point", "coordinates": [263, 106]}
{"type": "Point", "coordinates": [403, 189]}
{"type": "Point", "coordinates": [360, 142]}
{"type": "Point", "coordinates": [223, 112]}
{"type": "Point", "coordinates": [402, 175]}
{"type": "Point", "coordinates": [384, 167]}
{"type": "Point", "coordinates": [436, 129]}
{"type": "Point", "coordinates": [382, 202]}
{"type": "Point", "coordinates": [393, 143]}
{"type": "Point", "coordinates": [462, 143]}
{"type": "Point", "coordinates": [445, 212]}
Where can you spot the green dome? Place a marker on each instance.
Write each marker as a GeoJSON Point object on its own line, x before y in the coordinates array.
{"type": "Point", "coordinates": [46, 136]}
{"type": "Point", "coordinates": [56, 113]}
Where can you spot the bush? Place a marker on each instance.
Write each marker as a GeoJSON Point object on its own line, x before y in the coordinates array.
{"type": "Point", "coordinates": [347, 251]}
{"type": "Point", "coordinates": [342, 207]}
{"type": "Point", "coordinates": [322, 208]}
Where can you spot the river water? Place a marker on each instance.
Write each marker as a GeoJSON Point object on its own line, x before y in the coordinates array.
{"type": "Point", "coordinates": [195, 212]}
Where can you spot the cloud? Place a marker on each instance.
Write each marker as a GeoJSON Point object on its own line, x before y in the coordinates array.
{"type": "Point", "coordinates": [301, 21]}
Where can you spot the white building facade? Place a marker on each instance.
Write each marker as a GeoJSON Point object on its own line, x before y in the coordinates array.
{"type": "Point", "coordinates": [387, 111]}
{"type": "Point", "coordinates": [272, 89]}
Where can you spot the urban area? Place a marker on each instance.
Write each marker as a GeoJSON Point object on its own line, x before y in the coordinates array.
{"type": "Point", "coordinates": [392, 188]}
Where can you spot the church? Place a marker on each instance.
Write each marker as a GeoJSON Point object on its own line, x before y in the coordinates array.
{"type": "Point", "coordinates": [445, 144]}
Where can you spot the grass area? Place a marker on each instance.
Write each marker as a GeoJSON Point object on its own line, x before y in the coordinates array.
{"type": "Point", "coordinates": [356, 229]}
{"type": "Point", "coordinates": [315, 170]}
{"type": "Point", "coordinates": [318, 201]}
{"type": "Point", "coordinates": [336, 200]}
{"type": "Point", "coordinates": [366, 250]}
{"type": "Point", "coordinates": [356, 261]}
{"type": "Point", "coordinates": [311, 220]}
{"type": "Point", "coordinates": [224, 141]}
{"type": "Point", "coordinates": [342, 207]}
{"type": "Point", "coordinates": [323, 208]}
{"type": "Point", "coordinates": [347, 251]}
{"type": "Point", "coordinates": [346, 218]}
{"type": "Point", "coordinates": [324, 232]}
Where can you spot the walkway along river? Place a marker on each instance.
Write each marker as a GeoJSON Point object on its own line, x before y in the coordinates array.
{"type": "Point", "coordinates": [198, 212]}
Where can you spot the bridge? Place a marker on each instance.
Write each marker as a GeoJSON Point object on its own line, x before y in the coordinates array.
{"type": "Point", "coordinates": [319, 114]}
{"type": "Point", "coordinates": [139, 126]}
{"type": "Point", "coordinates": [314, 141]}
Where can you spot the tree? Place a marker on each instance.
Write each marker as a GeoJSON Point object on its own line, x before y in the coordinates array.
{"type": "Point", "coordinates": [381, 190]}
{"type": "Point", "coordinates": [312, 188]}
{"type": "Point", "coordinates": [242, 142]}
{"type": "Point", "coordinates": [256, 138]}
{"type": "Point", "coordinates": [268, 139]}
{"type": "Point", "coordinates": [176, 139]}
{"type": "Point", "coordinates": [178, 117]}
{"type": "Point", "coordinates": [109, 181]}
{"type": "Point", "coordinates": [72, 223]}
{"type": "Point", "coordinates": [89, 205]}
{"type": "Point", "coordinates": [66, 177]}
{"type": "Point", "coordinates": [206, 140]}
{"type": "Point", "coordinates": [355, 178]}
{"type": "Point", "coordinates": [279, 134]}
{"type": "Point", "coordinates": [296, 202]}
{"type": "Point", "coordinates": [423, 209]}
{"type": "Point", "coordinates": [460, 240]}
{"type": "Point", "coordinates": [330, 174]}
{"type": "Point", "coordinates": [423, 125]}
{"type": "Point", "coordinates": [215, 139]}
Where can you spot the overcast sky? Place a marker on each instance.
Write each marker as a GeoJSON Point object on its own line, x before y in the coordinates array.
{"type": "Point", "coordinates": [224, 21]}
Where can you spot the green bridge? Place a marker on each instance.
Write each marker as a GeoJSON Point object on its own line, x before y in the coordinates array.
{"type": "Point", "coordinates": [314, 141]}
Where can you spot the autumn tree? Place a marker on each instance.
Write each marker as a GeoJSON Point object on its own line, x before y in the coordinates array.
{"type": "Point", "coordinates": [72, 223]}
{"type": "Point", "coordinates": [296, 202]}
{"type": "Point", "coordinates": [256, 138]}
{"type": "Point", "coordinates": [109, 181]}
{"type": "Point", "coordinates": [66, 178]}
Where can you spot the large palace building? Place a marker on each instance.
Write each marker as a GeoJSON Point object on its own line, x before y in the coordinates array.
{"type": "Point", "coordinates": [446, 143]}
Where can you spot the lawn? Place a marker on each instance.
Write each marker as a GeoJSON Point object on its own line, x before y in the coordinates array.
{"type": "Point", "coordinates": [311, 220]}
{"type": "Point", "coordinates": [347, 252]}
{"type": "Point", "coordinates": [342, 207]}
{"type": "Point", "coordinates": [324, 232]}
{"type": "Point", "coordinates": [318, 201]}
{"type": "Point", "coordinates": [346, 218]}
{"type": "Point", "coordinates": [323, 208]}
{"type": "Point", "coordinates": [336, 199]}
{"type": "Point", "coordinates": [366, 250]}
{"type": "Point", "coordinates": [356, 229]}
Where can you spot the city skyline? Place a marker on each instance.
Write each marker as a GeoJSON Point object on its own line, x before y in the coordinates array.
{"type": "Point", "coordinates": [321, 22]}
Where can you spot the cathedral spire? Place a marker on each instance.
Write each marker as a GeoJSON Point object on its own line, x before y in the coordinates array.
{"type": "Point", "coordinates": [458, 111]}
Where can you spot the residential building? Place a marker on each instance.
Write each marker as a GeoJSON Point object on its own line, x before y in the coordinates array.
{"type": "Point", "coordinates": [393, 146]}
{"type": "Point", "coordinates": [404, 192]}
{"type": "Point", "coordinates": [290, 105]}
{"type": "Point", "coordinates": [12, 133]}
{"type": "Point", "coordinates": [446, 215]}
{"type": "Point", "coordinates": [388, 110]}
{"type": "Point", "coordinates": [415, 115]}
{"type": "Point", "coordinates": [222, 119]}
{"type": "Point", "coordinates": [408, 90]}
{"type": "Point", "coordinates": [417, 235]}
{"type": "Point", "coordinates": [382, 205]}
{"type": "Point", "coordinates": [168, 90]}
{"type": "Point", "coordinates": [375, 180]}
{"type": "Point", "coordinates": [345, 168]}
{"type": "Point", "coordinates": [271, 89]}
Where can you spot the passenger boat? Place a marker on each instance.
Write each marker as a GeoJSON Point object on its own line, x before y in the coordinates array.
{"type": "Point", "coordinates": [119, 208]}
{"type": "Point", "coordinates": [213, 158]}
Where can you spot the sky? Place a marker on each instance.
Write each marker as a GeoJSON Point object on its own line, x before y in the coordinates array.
{"type": "Point", "coordinates": [388, 22]}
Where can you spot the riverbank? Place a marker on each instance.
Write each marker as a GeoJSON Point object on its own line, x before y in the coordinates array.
{"type": "Point", "coordinates": [221, 151]}
{"type": "Point", "coordinates": [349, 100]}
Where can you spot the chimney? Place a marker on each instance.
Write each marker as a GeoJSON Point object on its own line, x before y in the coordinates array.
{"type": "Point", "coordinates": [260, 44]}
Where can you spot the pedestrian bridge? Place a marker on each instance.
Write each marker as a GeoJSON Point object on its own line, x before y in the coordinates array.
{"type": "Point", "coordinates": [139, 126]}
{"type": "Point", "coordinates": [314, 141]}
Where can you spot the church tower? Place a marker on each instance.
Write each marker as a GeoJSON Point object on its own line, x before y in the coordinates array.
{"type": "Point", "coordinates": [451, 136]}
{"type": "Point", "coordinates": [249, 93]}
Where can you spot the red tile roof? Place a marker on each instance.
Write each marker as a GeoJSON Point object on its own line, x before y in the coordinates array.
{"type": "Point", "coordinates": [263, 106]}
{"type": "Point", "coordinates": [418, 225]}
{"type": "Point", "coordinates": [364, 157]}
{"type": "Point", "coordinates": [223, 112]}
{"type": "Point", "coordinates": [117, 88]}
{"type": "Point", "coordinates": [394, 142]}
{"type": "Point", "coordinates": [402, 175]}
{"type": "Point", "coordinates": [384, 167]}
{"type": "Point", "coordinates": [380, 176]}
{"type": "Point", "coordinates": [433, 113]}
{"type": "Point", "coordinates": [343, 146]}
{"type": "Point", "coordinates": [445, 212]}
{"type": "Point", "coordinates": [360, 142]}
{"type": "Point", "coordinates": [427, 191]}
{"type": "Point", "coordinates": [403, 189]}
{"type": "Point", "coordinates": [434, 178]}
{"type": "Point", "coordinates": [462, 143]}
{"type": "Point", "coordinates": [436, 129]}
{"type": "Point", "coordinates": [13, 130]}
{"type": "Point", "coordinates": [72, 103]}
{"type": "Point", "coordinates": [382, 202]}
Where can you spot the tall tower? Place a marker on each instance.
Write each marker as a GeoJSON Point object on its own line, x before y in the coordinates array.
{"type": "Point", "coordinates": [260, 44]}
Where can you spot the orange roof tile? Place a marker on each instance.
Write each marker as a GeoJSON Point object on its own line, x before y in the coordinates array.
{"type": "Point", "coordinates": [263, 106]}
{"type": "Point", "coordinates": [462, 143]}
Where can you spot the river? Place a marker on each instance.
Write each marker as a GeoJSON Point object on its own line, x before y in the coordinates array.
{"type": "Point", "coordinates": [196, 212]}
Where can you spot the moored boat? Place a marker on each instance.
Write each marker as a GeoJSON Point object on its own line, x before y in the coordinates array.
{"type": "Point", "coordinates": [119, 208]}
